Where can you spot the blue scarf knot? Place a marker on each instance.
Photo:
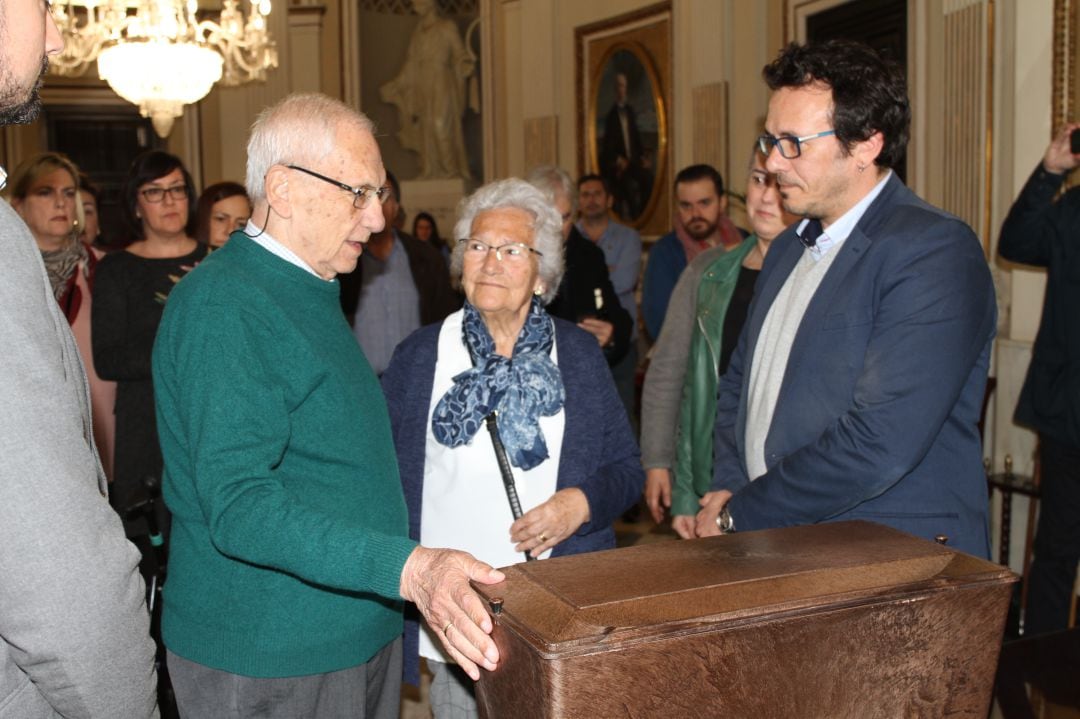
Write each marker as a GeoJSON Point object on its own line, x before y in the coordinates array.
{"type": "Point", "coordinates": [521, 389]}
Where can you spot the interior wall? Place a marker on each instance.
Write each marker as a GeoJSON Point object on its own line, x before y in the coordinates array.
{"type": "Point", "coordinates": [1026, 126]}
{"type": "Point", "coordinates": [225, 116]}
{"type": "Point", "coordinates": [1031, 112]}
{"type": "Point", "coordinates": [381, 36]}
{"type": "Point", "coordinates": [1023, 121]}
{"type": "Point", "coordinates": [715, 42]}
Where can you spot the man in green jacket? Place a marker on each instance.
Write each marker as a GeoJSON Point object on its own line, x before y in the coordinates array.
{"type": "Point", "coordinates": [290, 554]}
{"type": "Point", "coordinates": [701, 328]}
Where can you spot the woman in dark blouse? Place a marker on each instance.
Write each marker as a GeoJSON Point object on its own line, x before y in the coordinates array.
{"type": "Point", "coordinates": [130, 291]}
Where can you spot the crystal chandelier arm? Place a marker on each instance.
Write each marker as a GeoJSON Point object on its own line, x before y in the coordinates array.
{"type": "Point", "coordinates": [100, 27]}
{"type": "Point", "coordinates": [247, 56]}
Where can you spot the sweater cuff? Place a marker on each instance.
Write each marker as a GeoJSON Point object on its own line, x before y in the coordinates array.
{"type": "Point", "coordinates": [393, 552]}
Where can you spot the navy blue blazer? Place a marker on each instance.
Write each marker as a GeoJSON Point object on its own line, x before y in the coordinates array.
{"type": "Point", "coordinates": [599, 454]}
{"type": "Point", "coordinates": [877, 412]}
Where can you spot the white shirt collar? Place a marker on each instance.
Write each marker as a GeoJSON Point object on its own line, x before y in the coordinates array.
{"type": "Point", "coordinates": [268, 243]}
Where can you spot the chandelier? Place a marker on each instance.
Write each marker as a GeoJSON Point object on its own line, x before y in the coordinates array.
{"type": "Point", "coordinates": [158, 55]}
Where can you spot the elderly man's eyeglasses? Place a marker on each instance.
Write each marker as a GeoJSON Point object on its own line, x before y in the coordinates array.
{"type": "Point", "coordinates": [154, 195]}
{"type": "Point", "coordinates": [361, 195]}
{"type": "Point", "coordinates": [512, 252]}
{"type": "Point", "coordinates": [789, 145]}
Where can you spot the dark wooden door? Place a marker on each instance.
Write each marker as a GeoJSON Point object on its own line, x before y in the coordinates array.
{"type": "Point", "coordinates": [103, 142]}
{"type": "Point", "coordinates": [881, 24]}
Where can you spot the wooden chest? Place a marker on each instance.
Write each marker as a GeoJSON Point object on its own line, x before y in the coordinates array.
{"type": "Point", "coordinates": [850, 619]}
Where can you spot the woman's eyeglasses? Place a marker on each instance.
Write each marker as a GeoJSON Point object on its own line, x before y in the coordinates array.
{"type": "Point", "coordinates": [512, 252]}
{"type": "Point", "coordinates": [157, 194]}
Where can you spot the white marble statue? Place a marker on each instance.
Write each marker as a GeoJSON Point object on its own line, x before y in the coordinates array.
{"type": "Point", "coordinates": [429, 92]}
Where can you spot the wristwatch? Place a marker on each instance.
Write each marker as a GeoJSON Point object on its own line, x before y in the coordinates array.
{"type": "Point", "coordinates": [724, 521]}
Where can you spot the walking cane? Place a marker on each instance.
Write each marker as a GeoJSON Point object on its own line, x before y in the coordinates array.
{"type": "Point", "coordinates": [504, 469]}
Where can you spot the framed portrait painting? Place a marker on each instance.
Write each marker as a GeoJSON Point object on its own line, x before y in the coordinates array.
{"type": "Point", "coordinates": [623, 82]}
{"type": "Point", "coordinates": [1066, 67]}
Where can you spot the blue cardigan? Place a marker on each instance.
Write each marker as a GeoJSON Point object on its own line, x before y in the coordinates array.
{"type": "Point", "coordinates": [599, 454]}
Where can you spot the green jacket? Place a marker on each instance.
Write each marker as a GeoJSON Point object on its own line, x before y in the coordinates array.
{"type": "Point", "coordinates": [697, 415]}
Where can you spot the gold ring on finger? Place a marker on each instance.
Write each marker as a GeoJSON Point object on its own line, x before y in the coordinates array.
{"type": "Point", "coordinates": [447, 627]}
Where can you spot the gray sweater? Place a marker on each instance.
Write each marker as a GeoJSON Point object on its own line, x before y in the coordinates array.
{"type": "Point", "coordinates": [74, 638]}
{"type": "Point", "coordinates": [662, 393]}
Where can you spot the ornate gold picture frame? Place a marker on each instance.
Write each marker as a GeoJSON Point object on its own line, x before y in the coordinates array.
{"type": "Point", "coordinates": [1066, 63]}
{"type": "Point", "coordinates": [624, 90]}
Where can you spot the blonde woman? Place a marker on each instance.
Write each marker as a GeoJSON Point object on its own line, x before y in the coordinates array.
{"type": "Point", "coordinates": [44, 191]}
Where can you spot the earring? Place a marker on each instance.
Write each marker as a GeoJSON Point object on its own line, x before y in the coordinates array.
{"type": "Point", "coordinates": [862, 168]}
{"type": "Point", "coordinates": [538, 291]}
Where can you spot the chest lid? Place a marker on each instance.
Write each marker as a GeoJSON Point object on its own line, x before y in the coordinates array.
{"type": "Point", "coordinates": [589, 601]}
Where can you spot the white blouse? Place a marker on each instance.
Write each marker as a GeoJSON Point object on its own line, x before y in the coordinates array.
{"type": "Point", "coordinates": [464, 500]}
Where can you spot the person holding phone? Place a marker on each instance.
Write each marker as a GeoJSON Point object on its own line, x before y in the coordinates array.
{"type": "Point", "coordinates": [1039, 231]}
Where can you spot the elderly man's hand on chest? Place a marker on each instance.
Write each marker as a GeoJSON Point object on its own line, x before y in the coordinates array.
{"type": "Point", "coordinates": [437, 582]}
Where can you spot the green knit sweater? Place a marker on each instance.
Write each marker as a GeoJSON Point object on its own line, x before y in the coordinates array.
{"type": "Point", "coordinates": [289, 529]}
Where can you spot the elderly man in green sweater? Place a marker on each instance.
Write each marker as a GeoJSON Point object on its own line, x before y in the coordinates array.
{"type": "Point", "coordinates": [290, 556]}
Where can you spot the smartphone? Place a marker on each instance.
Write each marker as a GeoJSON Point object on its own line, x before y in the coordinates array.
{"type": "Point", "coordinates": [1074, 141]}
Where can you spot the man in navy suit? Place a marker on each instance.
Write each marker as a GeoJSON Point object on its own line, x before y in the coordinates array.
{"type": "Point", "coordinates": [856, 387]}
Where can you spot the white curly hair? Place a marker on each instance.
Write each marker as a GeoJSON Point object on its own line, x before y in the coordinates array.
{"type": "Point", "coordinates": [546, 227]}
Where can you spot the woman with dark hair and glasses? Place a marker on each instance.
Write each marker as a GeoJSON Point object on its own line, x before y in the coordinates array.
{"type": "Point", "coordinates": [223, 208]}
{"type": "Point", "coordinates": [130, 291]}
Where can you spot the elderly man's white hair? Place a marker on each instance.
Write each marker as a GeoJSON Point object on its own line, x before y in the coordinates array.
{"type": "Point", "coordinates": [551, 181]}
{"type": "Point", "coordinates": [300, 129]}
{"type": "Point", "coordinates": [546, 227]}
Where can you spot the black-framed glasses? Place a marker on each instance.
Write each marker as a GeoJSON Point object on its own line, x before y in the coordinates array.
{"type": "Point", "coordinates": [155, 195]}
{"type": "Point", "coordinates": [513, 252]}
{"type": "Point", "coordinates": [789, 145]}
{"type": "Point", "coordinates": [361, 195]}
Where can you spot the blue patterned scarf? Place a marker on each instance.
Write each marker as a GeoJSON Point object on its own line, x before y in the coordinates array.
{"type": "Point", "coordinates": [521, 389]}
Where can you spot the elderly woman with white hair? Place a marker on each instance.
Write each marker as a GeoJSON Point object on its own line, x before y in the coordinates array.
{"type": "Point", "coordinates": [567, 439]}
